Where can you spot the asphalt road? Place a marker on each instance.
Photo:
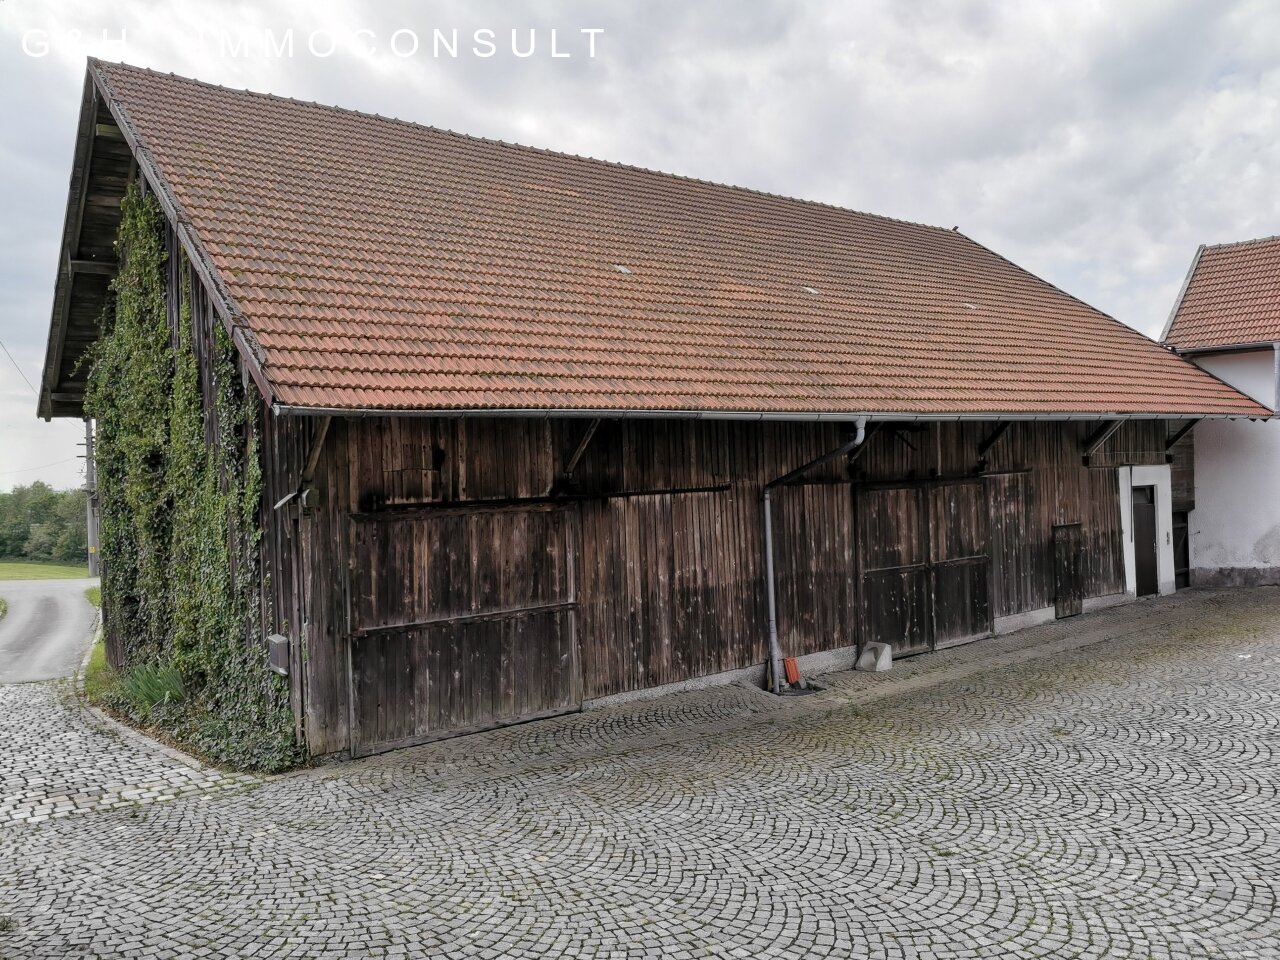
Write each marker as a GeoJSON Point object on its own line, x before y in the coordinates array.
{"type": "Point", "coordinates": [46, 632]}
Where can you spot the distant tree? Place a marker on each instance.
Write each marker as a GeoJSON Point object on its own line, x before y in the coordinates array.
{"type": "Point", "coordinates": [40, 523]}
{"type": "Point", "coordinates": [41, 538]}
{"type": "Point", "coordinates": [72, 543]}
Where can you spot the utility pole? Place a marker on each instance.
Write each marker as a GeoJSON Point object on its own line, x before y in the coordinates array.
{"type": "Point", "coordinates": [91, 497]}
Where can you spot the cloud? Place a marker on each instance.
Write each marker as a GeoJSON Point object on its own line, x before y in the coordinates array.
{"type": "Point", "coordinates": [1094, 143]}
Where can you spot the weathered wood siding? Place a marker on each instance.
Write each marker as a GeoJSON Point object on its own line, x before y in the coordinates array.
{"type": "Point", "coordinates": [665, 531]}
{"type": "Point", "coordinates": [1182, 470]}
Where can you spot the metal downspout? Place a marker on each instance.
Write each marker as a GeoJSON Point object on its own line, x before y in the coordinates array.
{"type": "Point", "coordinates": [775, 651]}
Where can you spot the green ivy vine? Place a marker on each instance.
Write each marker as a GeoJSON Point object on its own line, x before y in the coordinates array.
{"type": "Point", "coordinates": [180, 525]}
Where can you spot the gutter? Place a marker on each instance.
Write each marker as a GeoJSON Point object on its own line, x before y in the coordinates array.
{"type": "Point", "coordinates": [799, 416]}
{"type": "Point", "coordinates": [775, 649]}
{"type": "Point", "coordinates": [1226, 348]}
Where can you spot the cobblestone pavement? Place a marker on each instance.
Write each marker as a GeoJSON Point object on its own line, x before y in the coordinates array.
{"type": "Point", "coordinates": [1107, 787]}
{"type": "Point", "coordinates": [58, 759]}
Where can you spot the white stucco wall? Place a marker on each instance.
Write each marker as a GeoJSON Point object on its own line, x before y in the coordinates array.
{"type": "Point", "coordinates": [1236, 522]}
{"type": "Point", "coordinates": [1249, 371]}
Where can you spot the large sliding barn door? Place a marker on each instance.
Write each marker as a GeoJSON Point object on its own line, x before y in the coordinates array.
{"type": "Point", "coordinates": [893, 552]}
{"type": "Point", "coordinates": [461, 620]}
{"type": "Point", "coordinates": [960, 559]}
{"type": "Point", "coordinates": [924, 564]}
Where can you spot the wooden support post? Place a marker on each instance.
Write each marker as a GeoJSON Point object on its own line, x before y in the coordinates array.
{"type": "Point", "coordinates": [1173, 438]}
{"type": "Point", "coordinates": [991, 439]}
{"type": "Point", "coordinates": [317, 447]}
{"type": "Point", "coordinates": [572, 465]}
{"type": "Point", "coordinates": [313, 460]}
{"type": "Point", "coordinates": [1179, 434]}
{"type": "Point", "coordinates": [565, 478]}
{"type": "Point", "coordinates": [1098, 437]}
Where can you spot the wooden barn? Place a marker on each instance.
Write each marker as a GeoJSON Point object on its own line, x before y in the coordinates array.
{"type": "Point", "coordinates": [538, 431]}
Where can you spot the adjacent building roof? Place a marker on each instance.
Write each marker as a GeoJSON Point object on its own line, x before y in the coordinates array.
{"type": "Point", "coordinates": [371, 264]}
{"type": "Point", "coordinates": [1231, 297]}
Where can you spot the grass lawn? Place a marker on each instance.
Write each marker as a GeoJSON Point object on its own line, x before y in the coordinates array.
{"type": "Point", "coordinates": [24, 570]}
{"type": "Point", "coordinates": [99, 678]}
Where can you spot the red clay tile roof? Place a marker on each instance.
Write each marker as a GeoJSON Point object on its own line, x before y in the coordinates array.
{"type": "Point", "coordinates": [1232, 297]}
{"type": "Point", "coordinates": [384, 265]}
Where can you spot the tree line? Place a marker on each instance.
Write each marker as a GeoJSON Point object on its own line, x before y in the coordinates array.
{"type": "Point", "coordinates": [38, 522]}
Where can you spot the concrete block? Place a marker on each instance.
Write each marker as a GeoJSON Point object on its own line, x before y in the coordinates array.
{"type": "Point", "coordinates": [876, 658]}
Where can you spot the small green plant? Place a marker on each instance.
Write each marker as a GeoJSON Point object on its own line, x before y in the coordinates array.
{"type": "Point", "coordinates": [6, 924]}
{"type": "Point", "coordinates": [151, 685]}
{"type": "Point", "coordinates": [94, 596]}
{"type": "Point", "coordinates": [100, 681]}
{"type": "Point", "coordinates": [4, 607]}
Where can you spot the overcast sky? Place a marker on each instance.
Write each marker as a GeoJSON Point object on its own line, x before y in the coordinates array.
{"type": "Point", "coordinates": [1094, 143]}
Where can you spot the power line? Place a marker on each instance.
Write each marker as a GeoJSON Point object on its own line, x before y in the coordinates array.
{"type": "Point", "coordinates": [56, 463]}
{"type": "Point", "coordinates": [19, 369]}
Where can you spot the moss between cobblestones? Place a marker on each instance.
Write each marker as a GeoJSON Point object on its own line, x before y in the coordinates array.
{"type": "Point", "coordinates": [178, 514]}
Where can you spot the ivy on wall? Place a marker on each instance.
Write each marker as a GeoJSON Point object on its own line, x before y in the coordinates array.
{"type": "Point", "coordinates": [179, 515]}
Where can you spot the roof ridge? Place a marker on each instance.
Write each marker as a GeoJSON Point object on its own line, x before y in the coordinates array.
{"type": "Point", "coordinates": [98, 63]}
{"type": "Point", "coordinates": [1240, 243]}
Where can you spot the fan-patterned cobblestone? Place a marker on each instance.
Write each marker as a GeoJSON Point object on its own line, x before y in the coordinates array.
{"type": "Point", "coordinates": [1107, 787]}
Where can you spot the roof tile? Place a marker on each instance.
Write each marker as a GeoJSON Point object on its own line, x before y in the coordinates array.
{"type": "Point", "coordinates": [1232, 297]}
{"type": "Point", "coordinates": [384, 265]}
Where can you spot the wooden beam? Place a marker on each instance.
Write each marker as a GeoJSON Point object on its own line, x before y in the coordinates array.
{"type": "Point", "coordinates": [1098, 437]}
{"type": "Point", "coordinates": [78, 187]}
{"type": "Point", "coordinates": [590, 432]}
{"type": "Point", "coordinates": [489, 615]}
{"type": "Point", "coordinates": [104, 267]}
{"type": "Point", "coordinates": [313, 458]}
{"type": "Point", "coordinates": [558, 484]}
{"type": "Point", "coordinates": [1178, 434]}
{"type": "Point", "coordinates": [991, 439]}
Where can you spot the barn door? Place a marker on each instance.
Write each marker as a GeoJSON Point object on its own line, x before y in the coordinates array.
{"type": "Point", "coordinates": [461, 620]}
{"type": "Point", "coordinates": [893, 552]}
{"type": "Point", "coordinates": [924, 564]}
{"type": "Point", "coordinates": [1068, 570]}
{"type": "Point", "coordinates": [961, 562]}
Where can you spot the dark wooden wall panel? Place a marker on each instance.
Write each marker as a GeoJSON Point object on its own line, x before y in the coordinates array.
{"type": "Point", "coordinates": [1009, 503]}
{"type": "Point", "coordinates": [447, 563]}
{"type": "Point", "coordinates": [669, 585]}
{"type": "Point", "coordinates": [813, 539]}
{"type": "Point", "coordinates": [670, 589]}
{"type": "Point", "coordinates": [1103, 537]}
{"type": "Point", "coordinates": [1183, 470]}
